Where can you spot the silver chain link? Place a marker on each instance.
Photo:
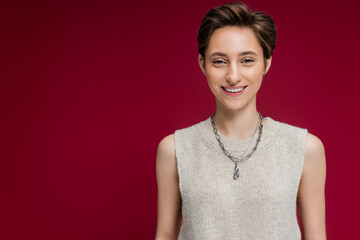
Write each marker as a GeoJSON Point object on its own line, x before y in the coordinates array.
{"type": "Point", "coordinates": [236, 160]}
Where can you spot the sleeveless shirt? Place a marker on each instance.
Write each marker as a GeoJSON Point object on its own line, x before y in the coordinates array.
{"type": "Point", "coordinates": [260, 204]}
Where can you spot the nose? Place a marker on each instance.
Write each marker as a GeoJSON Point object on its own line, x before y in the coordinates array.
{"type": "Point", "coordinates": [233, 75]}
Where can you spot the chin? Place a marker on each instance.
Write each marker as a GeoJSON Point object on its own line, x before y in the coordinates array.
{"type": "Point", "coordinates": [234, 104]}
{"type": "Point", "coordinates": [234, 107]}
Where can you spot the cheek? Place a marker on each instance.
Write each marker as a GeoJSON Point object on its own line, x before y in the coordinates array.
{"type": "Point", "coordinates": [254, 75]}
{"type": "Point", "coordinates": [214, 76]}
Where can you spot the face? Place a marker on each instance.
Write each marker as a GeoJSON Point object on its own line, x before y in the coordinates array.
{"type": "Point", "coordinates": [234, 66]}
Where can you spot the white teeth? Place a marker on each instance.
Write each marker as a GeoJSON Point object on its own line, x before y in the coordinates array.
{"type": "Point", "coordinates": [234, 90]}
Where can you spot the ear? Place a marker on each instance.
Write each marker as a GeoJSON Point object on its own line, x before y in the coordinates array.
{"type": "Point", "coordinates": [268, 64]}
{"type": "Point", "coordinates": [202, 63]}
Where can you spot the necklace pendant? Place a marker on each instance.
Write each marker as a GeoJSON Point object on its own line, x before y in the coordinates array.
{"type": "Point", "coordinates": [236, 172]}
{"type": "Point", "coordinates": [226, 152]}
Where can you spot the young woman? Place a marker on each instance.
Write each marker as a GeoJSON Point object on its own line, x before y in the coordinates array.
{"type": "Point", "coordinates": [237, 174]}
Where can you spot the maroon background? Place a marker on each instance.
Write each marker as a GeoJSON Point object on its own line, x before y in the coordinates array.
{"type": "Point", "coordinates": [88, 89]}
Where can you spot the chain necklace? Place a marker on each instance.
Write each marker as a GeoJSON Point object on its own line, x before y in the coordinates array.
{"type": "Point", "coordinates": [236, 160]}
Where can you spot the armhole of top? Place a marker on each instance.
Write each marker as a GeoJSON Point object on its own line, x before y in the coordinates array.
{"type": "Point", "coordinates": [177, 152]}
{"type": "Point", "coordinates": [303, 137]}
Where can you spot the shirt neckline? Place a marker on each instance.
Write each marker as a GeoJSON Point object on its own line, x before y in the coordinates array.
{"type": "Point", "coordinates": [207, 135]}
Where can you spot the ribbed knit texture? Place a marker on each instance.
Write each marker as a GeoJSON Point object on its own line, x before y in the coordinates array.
{"type": "Point", "coordinates": [260, 204]}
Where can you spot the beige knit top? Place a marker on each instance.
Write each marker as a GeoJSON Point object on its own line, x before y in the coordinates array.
{"type": "Point", "coordinates": [260, 204]}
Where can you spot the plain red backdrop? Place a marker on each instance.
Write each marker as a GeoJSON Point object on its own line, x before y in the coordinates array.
{"type": "Point", "coordinates": [88, 89]}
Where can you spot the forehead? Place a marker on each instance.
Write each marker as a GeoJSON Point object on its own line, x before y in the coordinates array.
{"type": "Point", "coordinates": [233, 40]}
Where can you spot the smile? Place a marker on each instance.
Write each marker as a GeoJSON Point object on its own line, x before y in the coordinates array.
{"type": "Point", "coordinates": [234, 90]}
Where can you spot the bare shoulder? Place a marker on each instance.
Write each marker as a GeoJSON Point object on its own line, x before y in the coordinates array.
{"type": "Point", "coordinates": [166, 147]}
{"type": "Point", "coordinates": [314, 147]}
{"type": "Point", "coordinates": [165, 158]}
{"type": "Point", "coordinates": [314, 162]}
{"type": "Point", "coordinates": [169, 197]}
{"type": "Point", "coordinates": [311, 193]}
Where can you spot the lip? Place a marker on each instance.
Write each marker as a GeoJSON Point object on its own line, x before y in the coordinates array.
{"type": "Point", "coordinates": [234, 87]}
{"type": "Point", "coordinates": [234, 94]}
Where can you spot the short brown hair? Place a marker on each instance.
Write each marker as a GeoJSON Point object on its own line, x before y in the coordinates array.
{"type": "Point", "coordinates": [238, 14]}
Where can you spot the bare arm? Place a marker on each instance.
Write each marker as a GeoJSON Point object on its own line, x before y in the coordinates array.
{"type": "Point", "coordinates": [169, 199]}
{"type": "Point", "coordinates": [311, 195]}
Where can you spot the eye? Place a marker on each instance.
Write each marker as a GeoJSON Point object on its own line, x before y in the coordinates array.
{"type": "Point", "coordinates": [248, 60]}
{"type": "Point", "coordinates": [218, 62]}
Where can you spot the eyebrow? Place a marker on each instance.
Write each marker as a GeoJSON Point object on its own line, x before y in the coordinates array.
{"type": "Point", "coordinates": [240, 54]}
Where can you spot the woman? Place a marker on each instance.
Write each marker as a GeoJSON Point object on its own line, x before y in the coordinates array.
{"type": "Point", "coordinates": [238, 175]}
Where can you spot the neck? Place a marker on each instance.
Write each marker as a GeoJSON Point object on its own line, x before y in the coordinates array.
{"type": "Point", "coordinates": [236, 124]}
